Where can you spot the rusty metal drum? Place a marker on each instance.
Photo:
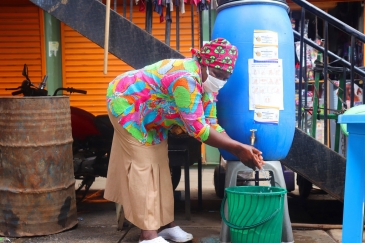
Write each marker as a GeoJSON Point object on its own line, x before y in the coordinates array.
{"type": "Point", "coordinates": [37, 185]}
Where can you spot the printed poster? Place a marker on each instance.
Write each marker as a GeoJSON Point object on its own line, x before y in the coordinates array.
{"type": "Point", "coordinates": [265, 53]}
{"type": "Point", "coordinates": [265, 37]}
{"type": "Point", "coordinates": [265, 85]}
{"type": "Point", "coordinates": [269, 115]}
{"type": "Point", "coordinates": [265, 45]}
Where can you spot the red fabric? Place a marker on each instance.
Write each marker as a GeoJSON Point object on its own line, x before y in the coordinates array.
{"type": "Point", "coordinates": [218, 53]}
{"type": "Point", "coordinates": [162, 18]}
{"type": "Point", "coordinates": [142, 6]}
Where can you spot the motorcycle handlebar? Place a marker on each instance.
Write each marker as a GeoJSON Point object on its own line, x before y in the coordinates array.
{"type": "Point", "coordinates": [79, 91]}
{"type": "Point", "coordinates": [71, 90]}
{"type": "Point", "coordinates": [17, 92]}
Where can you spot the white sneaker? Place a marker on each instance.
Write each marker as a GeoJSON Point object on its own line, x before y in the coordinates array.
{"type": "Point", "coordinates": [176, 234]}
{"type": "Point", "coordinates": [155, 240]}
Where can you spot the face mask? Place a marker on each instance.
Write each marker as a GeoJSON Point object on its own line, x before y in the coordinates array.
{"type": "Point", "coordinates": [212, 84]}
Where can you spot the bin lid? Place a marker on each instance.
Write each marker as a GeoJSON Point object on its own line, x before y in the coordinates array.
{"type": "Point", "coordinates": [355, 114]}
{"type": "Point", "coordinates": [221, 2]}
{"type": "Point", "coordinates": [354, 118]}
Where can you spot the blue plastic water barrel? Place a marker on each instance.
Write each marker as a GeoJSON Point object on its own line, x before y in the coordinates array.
{"type": "Point", "coordinates": [237, 21]}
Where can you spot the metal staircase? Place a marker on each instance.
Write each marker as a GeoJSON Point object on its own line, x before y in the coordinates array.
{"type": "Point", "coordinates": [127, 41]}
{"type": "Point", "coordinates": [313, 161]}
{"type": "Point", "coordinates": [308, 157]}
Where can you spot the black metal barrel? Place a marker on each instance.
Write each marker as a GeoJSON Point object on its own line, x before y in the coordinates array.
{"type": "Point", "coordinates": [37, 185]}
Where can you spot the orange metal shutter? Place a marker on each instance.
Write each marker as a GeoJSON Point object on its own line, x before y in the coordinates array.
{"type": "Point", "coordinates": [21, 41]}
{"type": "Point", "coordinates": [83, 60]}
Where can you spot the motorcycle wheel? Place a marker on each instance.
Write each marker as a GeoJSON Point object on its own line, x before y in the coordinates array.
{"type": "Point", "coordinates": [175, 176]}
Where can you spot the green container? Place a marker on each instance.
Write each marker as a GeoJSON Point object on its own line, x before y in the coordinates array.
{"type": "Point", "coordinates": [255, 213]}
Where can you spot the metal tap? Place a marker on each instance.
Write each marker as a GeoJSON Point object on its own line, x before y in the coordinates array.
{"type": "Point", "coordinates": [253, 137]}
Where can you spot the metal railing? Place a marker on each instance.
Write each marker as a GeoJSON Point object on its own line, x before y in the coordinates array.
{"type": "Point", "coordinates": [348, 66]}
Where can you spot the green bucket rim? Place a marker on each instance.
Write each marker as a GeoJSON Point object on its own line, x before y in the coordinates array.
{"type": "Point", "coordinates": [272, 190]}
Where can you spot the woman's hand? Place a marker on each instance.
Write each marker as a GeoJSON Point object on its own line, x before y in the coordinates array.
{"type": "Point", "coordinates": [247, 154]}
{"type": "Point", "coordinates": [250, 156]}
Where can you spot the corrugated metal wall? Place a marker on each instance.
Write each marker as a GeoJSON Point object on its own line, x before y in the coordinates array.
{"type": "Point", "coordinates": [83, 60]}
{"type": "Point", "coordinates": [21, 41]}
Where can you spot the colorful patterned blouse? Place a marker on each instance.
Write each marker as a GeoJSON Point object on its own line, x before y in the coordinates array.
{"type": "Point", "coordinates": [151, 100]}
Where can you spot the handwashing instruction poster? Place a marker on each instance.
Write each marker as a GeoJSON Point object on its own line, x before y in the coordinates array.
{"type": "Point", "coordinates": [265, 72]}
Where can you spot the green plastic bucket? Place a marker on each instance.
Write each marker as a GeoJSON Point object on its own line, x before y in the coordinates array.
{"type": "Point", "coordinates": [255, 213]}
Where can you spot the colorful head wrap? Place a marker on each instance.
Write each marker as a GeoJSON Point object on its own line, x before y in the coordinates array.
{"type": "Point", "coordinates": [218, 53]}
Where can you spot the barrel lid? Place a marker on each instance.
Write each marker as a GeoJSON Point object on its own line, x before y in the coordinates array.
{"type": "Point", "coordinates": [350, 117]}
{"type": "Point", "coordinates": [227, 3]}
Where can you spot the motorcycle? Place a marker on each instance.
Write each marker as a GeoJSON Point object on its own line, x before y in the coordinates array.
{"type": "Point", "coordinates": [92, 135]}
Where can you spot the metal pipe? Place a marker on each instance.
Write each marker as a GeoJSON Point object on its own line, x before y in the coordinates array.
{"type": "Point", "coordinates": [352, 60]}
{"type": "Point", "coordinates": [200, 186]}
{"type": "Point", "coordinates": [257, 178]}
{"type": "Point", "coordinates": [253, 137]}
{"type": "Point", "coordinates": [363, 88]}
{"type": "Point", "coordinates": [325, 81]}
{"type": "Point", "coordinates": [177, 29]}
{"type": "Point", "coordinates": [343, 87]}
{"type": "Point", "coordinates": [124, 8]}
{"type": "Point", "coordinates": [148, 20]}
{"type": "Point", "coordinates": [106, 39]}
{"type": "Point", "coordinates": [168, 25]}
{"type": "Point", "coordinates": [301, 69]}
{"type": "Point", "coordinates": [130, 10]}
{"type": "Point", "coordinates": [305, 77]}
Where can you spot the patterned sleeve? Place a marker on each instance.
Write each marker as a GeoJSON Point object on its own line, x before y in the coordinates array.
{"type": "Point", "coordinates": [210, 110]}
{"type": "Point", "coordinates": [188, 98]}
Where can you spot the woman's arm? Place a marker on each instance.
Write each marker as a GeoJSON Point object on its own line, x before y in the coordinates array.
{"type": "Point", "coordinates": [191, 109]}
{"type": "Point", "coordinates": [247, 154]}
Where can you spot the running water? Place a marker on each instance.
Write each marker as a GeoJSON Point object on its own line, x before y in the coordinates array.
{"type": "Point", "coordinates": [266, 175]}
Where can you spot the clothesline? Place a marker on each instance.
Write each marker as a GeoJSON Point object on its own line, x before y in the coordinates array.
{"type": "Point", "coordinates": [159, 6]}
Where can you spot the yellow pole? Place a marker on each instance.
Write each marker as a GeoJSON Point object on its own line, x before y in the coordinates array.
{"type": "Point", "coordinates": [203, 153]}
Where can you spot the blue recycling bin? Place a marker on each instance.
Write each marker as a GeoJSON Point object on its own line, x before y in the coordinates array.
{"type": "Point", "coordinates": [263, 33]}
{"type": "Point", "coordinates": [353, 215]}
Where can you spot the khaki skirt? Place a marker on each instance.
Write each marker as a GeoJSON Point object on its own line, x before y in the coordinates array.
{"type": "Point", "coordinates": [139, 179]}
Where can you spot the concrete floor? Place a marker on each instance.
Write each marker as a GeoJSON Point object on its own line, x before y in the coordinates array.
{"type": "Point", "coordinates": [318, 220]}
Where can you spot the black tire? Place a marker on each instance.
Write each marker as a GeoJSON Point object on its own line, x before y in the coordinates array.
{"type": "Point", "coordinates": [175, 176]}
{"type": "Point", "coordinates": [219, 180]}
{"type": "Point", "coordinates": [304, 186]}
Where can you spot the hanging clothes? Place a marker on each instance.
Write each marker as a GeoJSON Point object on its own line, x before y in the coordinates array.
{"type": "Point", "coordinates": [182, 6]}
{"type": "Point", "coordinates": [160, 4]}
{"type": "Point", "coordinates": [214, 4]}
{"type": "Point", "coordinates": [168, 11]}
